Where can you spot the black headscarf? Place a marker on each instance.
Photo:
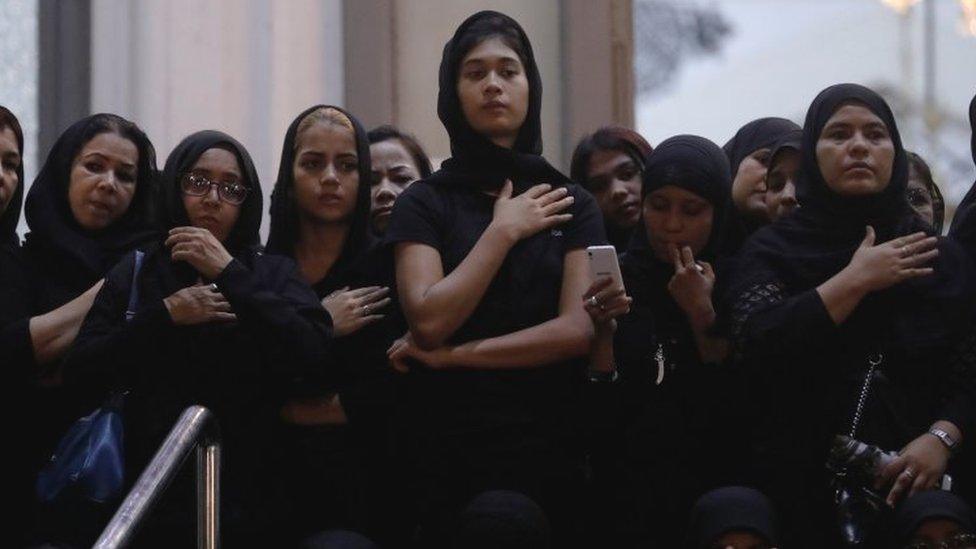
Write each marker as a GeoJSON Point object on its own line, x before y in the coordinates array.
{"type": "Point", "coordinates": [817, 240]}
{"type": "Point", "coordinates": [730, 509]}
{"type": "Point", "coordinates": [244, 236]}
{"type": "Point", "coordinates": [931, 504]}
{"type": "Point", "coordinates": [476, 160]}
{"type": "Point", "coordinates": [758, 134]}
{"type": "Point", "coordinates": [694, 164]}
{"type": "Point", "coordinates": [963, 227]}
{"type": "Point", "coordinates": [761, 133]}
{"type": "Point", "coordinates": [284, 212]}
{"type": "Point", "coordinates": [11, 216]}
{"type": "Point", "coordinates": [53, 227]}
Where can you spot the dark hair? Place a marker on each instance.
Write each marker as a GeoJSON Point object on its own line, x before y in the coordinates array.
{"type": "Point", "coordinates": [387, 132]}
{"type": "Point", "coordinates": [492, 26]}
{"type": "Point", "coordinates": [8, 120]}
{"type": "Point", "coordinates": [917, 163]}
{"type": "Point", "coordinates": [609, 138]}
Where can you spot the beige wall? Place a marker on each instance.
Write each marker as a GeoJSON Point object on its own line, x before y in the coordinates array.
{"type": "Point", "coordinates": [246, 67]}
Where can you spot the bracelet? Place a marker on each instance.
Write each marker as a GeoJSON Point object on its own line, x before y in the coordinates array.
{"type": "Point", "coordinates": [945, 438]}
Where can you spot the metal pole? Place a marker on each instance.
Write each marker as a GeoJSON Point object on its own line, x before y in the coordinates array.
{"type": "Point", "coordinates": [195, 425]}
{"type": "Point", "coordinates": [208, 496]}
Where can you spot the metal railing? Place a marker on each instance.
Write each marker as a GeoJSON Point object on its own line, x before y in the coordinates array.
{"type": "Point", "coordinates": [196, 429]}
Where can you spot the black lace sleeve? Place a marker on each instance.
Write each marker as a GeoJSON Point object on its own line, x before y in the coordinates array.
{"type": "Point", "coordinates": [766, 322]}
{"type": "Point", "coordinates": [960, 385]}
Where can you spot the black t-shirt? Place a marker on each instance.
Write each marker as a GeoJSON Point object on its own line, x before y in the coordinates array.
{"type": "Point", "coordinates": [524, 293]}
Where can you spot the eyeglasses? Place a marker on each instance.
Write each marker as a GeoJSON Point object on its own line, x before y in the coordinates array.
{"type": "Point", "coordinates": [198, 185]}
{"type": "Point", "coordinates": [958, 541]}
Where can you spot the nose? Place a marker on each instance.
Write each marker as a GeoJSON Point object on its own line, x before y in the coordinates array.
{"type": "Point", "coordinates": [212, 197]}
{"type": "Point", "coordinates": [492, 84]}
{"type": "Point", "coordinates": [108, 182]}
{"type": "Point", "coordinates": [858, 144]}
{"type": "Point", "coordinates": [672, 222]}
{"type": "Point", "coordinates": [386, 192]}
{"type": "Point", "coordinates": [330, 175]}
{"type": "Point", "coordinates": [618, 192]}
{"type": "Point", "coordinates": [789, 191]}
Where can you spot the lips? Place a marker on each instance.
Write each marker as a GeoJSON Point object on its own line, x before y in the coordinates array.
{"type": "Point", "coordinates": [99, 207]}
{"type": "Point", "coordinates": [383, 211]}
{"type": "Point", "coordinates": [859, 167]}
{"type": "Point", "coordinates": [330, 199]}
{"type": "Point", "coordinates": [494, 105]}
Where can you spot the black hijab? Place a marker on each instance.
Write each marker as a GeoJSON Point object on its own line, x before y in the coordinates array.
{"type": "Point", "coordinates": [11, 216]}
{"type": "Point", "coordinates": [694, 164]}
{"type": "Point", "coordinates": [284, 212]}
{"type": "Point", "coordinates": [53, 227]}
{"type": "Point", "coordinates": [931, 504]}
{"type": "Point", "coordinates": [761, 133]}
{"type": "Point", "coordinates": [730, 509]}
{"type": "Point", "coordinates": [477, 161]}
{"type": "Point", "coordinates": [817, 240]}
{"type": "Point", "coordinates": [244, 237]}
{"type": "Point", "coordinates": [963, 227]}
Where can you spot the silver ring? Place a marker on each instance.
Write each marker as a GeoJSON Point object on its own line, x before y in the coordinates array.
{"type": "Point", "coordinates": [365, 310]}
{"type": "Point", "coordinates": [908, 472]}
{"type": "Point", "coordinates": [213, 286]}
{"type": "Point", "coordinates": [593, 302]}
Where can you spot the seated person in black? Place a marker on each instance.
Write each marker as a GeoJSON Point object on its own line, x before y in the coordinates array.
{"type": "Point", "coordinates": [934, 520]}
{"type": "Point", "coordinates": [491, 266]}
{"type": "Point", "coordinates": [609, 164]}
{"type": "Point", "coordinates": [733, 517]}
{"type": "Point", "coordinates": [670, 423]}
{"type": "Point", "coordinates": [335, 457]}
{"type": "Point", "coordinates": [853, 319]}
{"type": "Point", "coordinates": [207, 320]}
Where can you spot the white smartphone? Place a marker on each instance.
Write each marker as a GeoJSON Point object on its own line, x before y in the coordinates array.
{"type": "Point", "coordinates": [603, 262]}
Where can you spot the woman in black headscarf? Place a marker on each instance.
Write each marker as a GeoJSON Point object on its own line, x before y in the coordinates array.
{"type": "Point", "coordinates": [667, 351]}
{"type": "Point", "coordinates": [733, 516]}
{"type": "Point", "coordinates": [320, 215]}
{"type": "Point", "coordinates": [207, 320]}
{"type": "Point", "coordinates": [748, 152]}
{"type": "Point", "coordinates": [609, 163]}
{"type": "Point", "coordinates": [491, 265]}
{"type": "Point", "coordinates": [849, 312]}
{"type": "Point", "coordinates": [935, 519]}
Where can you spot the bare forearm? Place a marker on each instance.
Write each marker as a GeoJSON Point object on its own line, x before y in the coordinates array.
{"type": "Point", "coordinates": [601, 353]}
{"type": "Point", "coordinates": [53, 333]}
{"type": "Point", "coordinates": [565, 337]}
{"type": "Point", "coordinates": [448, 303]}
{"type": "Point", "coordinates": [841, 294]}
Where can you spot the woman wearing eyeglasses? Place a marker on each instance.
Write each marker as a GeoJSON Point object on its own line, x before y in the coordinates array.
{"type": "Point", "coordinates": [209, 321]}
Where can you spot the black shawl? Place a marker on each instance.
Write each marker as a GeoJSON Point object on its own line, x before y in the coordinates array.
{"type": "Point", "coordinates": [244, 236]}
{"type": "Point", "coordinates": [11, 216]}
{"type": "Point", "coordinates": [284, 212]}
{"type": "Point", "coordinates": [759, 134]}
{"type": "Point", "coordinates": [816, 241]}
{"type": "Point", "coordinates": [53, 228]}
{"type": "Point", "coordinates": [477, 161]}
{"type": "Point", "coordinates": [963, 228]}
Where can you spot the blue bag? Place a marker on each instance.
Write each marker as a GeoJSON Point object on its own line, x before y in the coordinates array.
{"type": "Point", "coordinates": [89, 461]}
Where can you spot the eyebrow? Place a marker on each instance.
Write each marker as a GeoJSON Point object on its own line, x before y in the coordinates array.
{"type": "Point", "coordinates": [477, 60]}
{"type": "Point", "coordinates": [107, 158]}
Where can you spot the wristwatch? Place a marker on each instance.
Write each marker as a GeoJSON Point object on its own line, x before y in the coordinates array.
{"type": "Point", "coordinates": [945, 437]}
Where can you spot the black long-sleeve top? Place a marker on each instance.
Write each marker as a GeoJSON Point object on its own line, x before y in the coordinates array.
{"type": "Point", "coordinates": [236, 369]}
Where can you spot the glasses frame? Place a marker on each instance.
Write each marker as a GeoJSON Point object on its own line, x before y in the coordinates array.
{"type": "Point", "coordinates": [221, 188]}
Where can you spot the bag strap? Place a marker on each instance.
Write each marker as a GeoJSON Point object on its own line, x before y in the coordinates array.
{"type": "Point", "coordinates": [130, 310]}
{"type": "Point", "coordinates": [873, 364]}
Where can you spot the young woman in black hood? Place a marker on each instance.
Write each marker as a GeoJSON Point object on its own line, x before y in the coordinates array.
{"type": "Point", "coordinates": [670, 423]}
{"type": "Point", "coordinates": [491, 265]}
{"type": "Point", "coordinates": [335, 441]}
{"type": "Point", "coordinates": [215, 323]}
{"type": "Point", "coordinates": [748, 152]}
{"type": "Point", "coordinates": [855, 320]}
